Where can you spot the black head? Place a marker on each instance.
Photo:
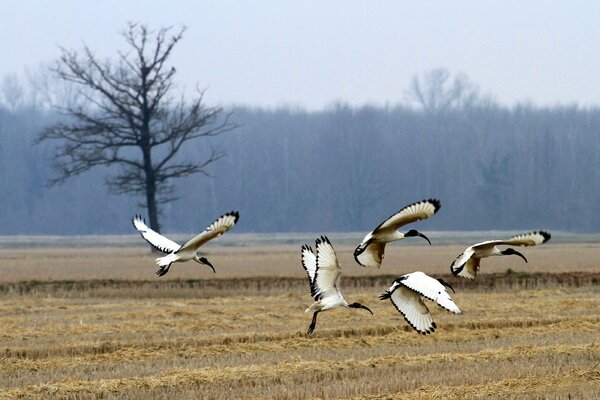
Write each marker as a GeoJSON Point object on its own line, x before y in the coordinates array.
{"type": "Point", "coordinates": [414, 233]}
{"type": "Point", "coordinates": [510, 251]}
{"type": "Point", "coordinates": [204, 261]}
{"type": "Point", "coordinates": [358, 305]}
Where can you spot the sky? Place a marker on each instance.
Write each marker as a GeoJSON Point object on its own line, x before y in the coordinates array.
{"type": "Point", "coordinates": [311, 54]}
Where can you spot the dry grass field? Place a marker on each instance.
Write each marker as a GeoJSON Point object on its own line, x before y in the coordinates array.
{"type": "Point", "coordinates": [94, 322]}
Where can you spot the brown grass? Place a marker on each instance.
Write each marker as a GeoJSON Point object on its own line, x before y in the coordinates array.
{"type": "Point", "coordinates": [521, 335]}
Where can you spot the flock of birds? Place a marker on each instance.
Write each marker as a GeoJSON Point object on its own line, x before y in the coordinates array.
{"type": "Point", "coordinates": [324, 272]}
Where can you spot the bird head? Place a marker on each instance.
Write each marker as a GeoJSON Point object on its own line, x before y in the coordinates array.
{"type": "Point", "coordinates": [414, 232]}
{"type": "Point", "coordinates": [203, 260]}
{"type": "Point", "coordinates": [510, 251]}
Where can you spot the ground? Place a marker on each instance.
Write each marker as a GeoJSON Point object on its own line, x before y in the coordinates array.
{"type": "Point", "coordinates": [95, 322]}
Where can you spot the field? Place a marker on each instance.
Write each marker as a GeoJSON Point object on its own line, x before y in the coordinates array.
{"type": "Point", "coordinates": [94, 322]}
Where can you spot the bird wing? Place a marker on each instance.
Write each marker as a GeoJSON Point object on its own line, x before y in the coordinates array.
{"type": "Point", "coordinates": [414, 212]}
{"type": "Point", "coordinates": [328, 269]}
{"type": "Point", "coordinates": [309, 262]}
{"type": "Point", "coordinates": [157, 240]}
{"type": "Point", "coordinates": [457, 266]}
{"type": "Point", "coordinates": [528, 239]}
{"type": "Point", "coordinates": [221, 225]}
{"type": "Point", "coordinates": [470, 268]}
{"type": "Point", "coordinates": [370, 253]}
{"type": "Point", "coordinates": [431, 289]}
{"type": "Point", "coordinates": [412, 308]}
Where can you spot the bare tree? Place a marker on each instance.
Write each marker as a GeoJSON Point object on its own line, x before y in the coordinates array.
{"type": "Point", "coordinates": [12, 92]}
{"type": "Point", "coordinates": [437, 91]}
{"type": "Point", "coordinates": [130, 119]}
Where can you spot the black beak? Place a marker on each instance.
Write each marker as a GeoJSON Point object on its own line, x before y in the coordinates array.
{"type": "Point", "coordinates": [520, 255]}
{"type": "Point", "coordinates": [366, 308]}
{"type": "Point", "coordinates": [203, 260]}
{"type": "Point", "coordinates": [358, 305]}
{"type": "Point", "coordinates": [511, 251]}
{"type": "Point", "coordinates": [425, 237]}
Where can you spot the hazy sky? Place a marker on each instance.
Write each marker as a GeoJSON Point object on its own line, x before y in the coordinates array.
{"type": "Point", "coordinates": [312, 53]}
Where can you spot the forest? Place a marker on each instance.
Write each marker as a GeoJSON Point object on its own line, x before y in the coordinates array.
{"type": "Point", "coordinates": [343, 168]}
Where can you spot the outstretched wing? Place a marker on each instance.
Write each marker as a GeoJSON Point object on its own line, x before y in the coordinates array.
{"type": "Point", "coordinates": [458, 265]}
{"type": "Point", "coordinates": [470, 269]}
{"type": "Point", "coordinates": [535, 238]}
{"type": "Point", "coordinates": [157, 240]}
{"type": "Point", "coordinates": [414, 212]}
{"type": "Point", "coordinates": [370, 253]}
{"type": "Point", "coordinates": [221, 225]}
{"type": "Point", "coordinates": [431, 289]}
{"type": "Point", "coordinates": [328, 269]}
{"type": "Point", "coordinates": [309, 263]}
{"type": "Point", "coordinates": [412, 308]}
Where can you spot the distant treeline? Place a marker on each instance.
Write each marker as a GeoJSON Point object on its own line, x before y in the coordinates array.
{"type": "Point", "coordinates": [340, 169]}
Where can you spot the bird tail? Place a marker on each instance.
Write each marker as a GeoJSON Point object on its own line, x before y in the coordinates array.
{"type": "Point", "coordinates": [165, 262]}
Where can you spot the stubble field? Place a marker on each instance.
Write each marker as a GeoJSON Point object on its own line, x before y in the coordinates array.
{"type": "Point", "coordinates": [94, 322]}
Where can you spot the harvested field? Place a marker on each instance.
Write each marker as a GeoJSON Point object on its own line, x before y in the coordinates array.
{"type": "Point", "coordinates": [529, 333]}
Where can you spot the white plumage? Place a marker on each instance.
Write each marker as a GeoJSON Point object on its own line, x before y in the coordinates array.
{"type": "Point", "coordinates": [370, 252]}
{"type": "Point", "coordinates": [466, 264]}
{"type": "Point", "coordinates": [407, 292]}
{"type": "Point", "coordinates": [187, 251]}
{"type": "Point", "coordinates": [324, 274]}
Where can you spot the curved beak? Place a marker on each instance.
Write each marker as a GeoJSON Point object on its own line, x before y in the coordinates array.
{"type": "Point", "coordinates": [511, 251]}
{"type": "Point", "coordinates": [204, 261]}
{"type": "Point", "coordinates": [366, 308]}
{"type": "Point", "coordinates": [424, 237]}
{"type": "Point", "coordinates": [520, 255]}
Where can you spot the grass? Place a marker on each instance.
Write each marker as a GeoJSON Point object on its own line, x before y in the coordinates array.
{"type": "Point", "coordinates": [526, 333]}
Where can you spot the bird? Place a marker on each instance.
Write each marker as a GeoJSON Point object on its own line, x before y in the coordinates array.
{"type": "Point", "coordinates": [369, 252]}
{"type": "Point", "coordinates": [466, 264]}
{"type": "Point", "coordinates": [187, 251]}
{"type": "Point", "coordinates": [407, 292]}
{"type": "Point", "coordinates": [324, 274]}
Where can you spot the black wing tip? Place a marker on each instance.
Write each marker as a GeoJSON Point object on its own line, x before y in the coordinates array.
{"type": "Point", "coordinates": [322, 239]}
{"type": "Point", "coordinates": [547, 236]}
{"type": "Point", "coordinates": [232, 213]}
{"type": "Point", "coordinates": [362, 247]}
{"type": "Point", "coordinates": [139, 218]}
{"type": "Point", "coordinates": [436, 204]}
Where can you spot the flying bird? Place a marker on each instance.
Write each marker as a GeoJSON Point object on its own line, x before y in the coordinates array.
{"type": "Point", "coordinates": [187, 251]}
{"type": "Point", "coordinates": [407, 293]}
{"type": "Point", "coordinates": [370, 252]}
{"type": "Point", "coordinates": [324, 274]}
{"type": "Point", "coordinates": [466, 265]}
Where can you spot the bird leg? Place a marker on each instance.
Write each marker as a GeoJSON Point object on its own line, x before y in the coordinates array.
{"type": "Point", "coordinates": [312, 325]}
{"type": "Point", "coordinates": [163, 270]}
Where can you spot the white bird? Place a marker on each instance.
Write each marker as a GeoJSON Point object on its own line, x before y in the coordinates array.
{"type": "Point", "coordinates": [187, 251]}
{"type": "Point", "coordinates": [370, 252]}
{"type": "Point", "coordinates": [324, 274]}
{"type": "Point", "coordinates": [466, 265]}
{"type": "Point", "coordinates": [406, 295]}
